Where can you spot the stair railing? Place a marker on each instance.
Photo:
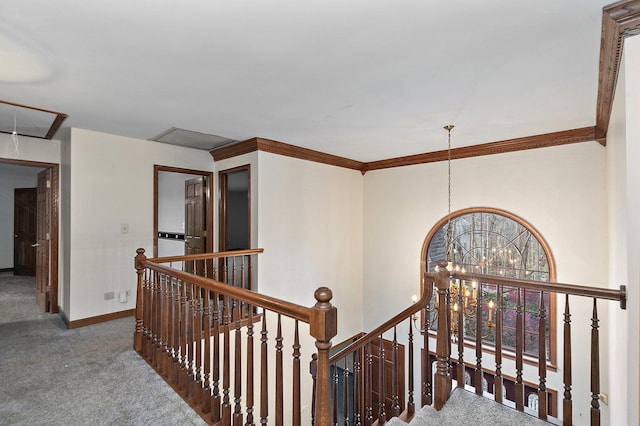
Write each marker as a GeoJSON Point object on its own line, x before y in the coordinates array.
{"type": "Point", "coordinates": [366, 385]}
{"type": "Point", "coordinates": [221, 346]}
{"type": "Point", "coordinates": [502, 290]}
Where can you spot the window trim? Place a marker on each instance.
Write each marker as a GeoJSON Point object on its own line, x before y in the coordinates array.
{"type": "Point", "coordinates": [552, 309]}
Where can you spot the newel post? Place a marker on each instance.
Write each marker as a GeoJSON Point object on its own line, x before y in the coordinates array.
{"type": "Point", "coordinates": [323, 326]}
{"type": "Point", "coordinates": [137, 334]}
{"type": "Point", "coordinates": [442, 381]}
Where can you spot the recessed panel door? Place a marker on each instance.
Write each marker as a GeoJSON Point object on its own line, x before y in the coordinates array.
{"type": "Point", "coordinates": [43, 241]}
{"type": "Point", "coordinates": [24, 231]}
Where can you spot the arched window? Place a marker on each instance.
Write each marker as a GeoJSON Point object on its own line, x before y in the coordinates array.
{"type": "Point", "coordinates": [494, 242]}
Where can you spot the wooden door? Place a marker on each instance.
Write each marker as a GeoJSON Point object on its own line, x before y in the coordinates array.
{"type": "Point", "coordinates": [194, 218]}
{"type": "Point", "coordinates": [43, 243]}
{"type": "Point", "coordinates": [24, 231]}
{"type": "Point", "coordinates": [393, 369]}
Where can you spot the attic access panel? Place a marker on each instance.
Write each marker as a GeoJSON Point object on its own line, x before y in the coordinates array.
{"type": "Point", "coordinates": [29, 121]}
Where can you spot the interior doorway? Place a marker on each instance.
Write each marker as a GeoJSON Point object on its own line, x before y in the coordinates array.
{"type": "Point", "coordinates": [182, 219]}
{"type": "Point", "coordinates": [42, 246]}
{"type": "Point", "coordinates": [235, 209]}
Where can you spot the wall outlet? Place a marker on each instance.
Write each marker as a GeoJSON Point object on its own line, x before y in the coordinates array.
{"type": "Point", "coordinates": [109, 295]}
{"type": "Point", "coordinates": [122, 296]}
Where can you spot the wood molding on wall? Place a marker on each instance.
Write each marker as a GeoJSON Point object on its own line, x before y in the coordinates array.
{"type": "Point", "coordinates": [584, 134]}
{"type": "Point", "coordinates": [280, 148]}
{"type": "Point", "coordinates": [619, 20]}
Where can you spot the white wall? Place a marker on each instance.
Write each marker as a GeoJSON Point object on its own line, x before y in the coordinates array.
{"type": "Point", "coordinates": [560, 191]}
{"type": "Point", "coordinates": [111, 183]}
{"type": "Point", "coordinates": [310, 217]}
{"type": "Point", "coordinates": [10, 179]}
{"type": "Point", "coordinates": [623, 156]}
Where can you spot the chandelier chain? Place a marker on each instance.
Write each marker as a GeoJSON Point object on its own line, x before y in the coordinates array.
{"type": "Point", "coordinates": [449, 241]}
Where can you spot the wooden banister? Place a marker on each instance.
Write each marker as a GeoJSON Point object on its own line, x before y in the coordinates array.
{"type": "Point", "coordinates": [554, 287]}
{"type": "Point", "coordinates": [370, 336]}
{"type": "Point", "coordinates": [198, 334]}
{"type": "Point", "coordinates": [205, 256]}
{"type": "Point", "coordinates": [292, 310]}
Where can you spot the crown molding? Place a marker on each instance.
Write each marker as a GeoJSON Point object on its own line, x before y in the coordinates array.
{"type": "Point", "coordinates": [619, 20]}
{"type": "Point", "coordinates": [280, 148]}
{"type": "Point", "coordinates": [565, 137]}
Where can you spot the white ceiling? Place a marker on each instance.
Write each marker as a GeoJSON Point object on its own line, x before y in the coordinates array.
{"type": "Point", "coordinates": [363, 79]}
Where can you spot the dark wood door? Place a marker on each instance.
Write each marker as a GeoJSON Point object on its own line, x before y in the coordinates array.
{"type": "Point", "coordinates": [24, 231]}
{"type": "Point", "coordinates": [43, 244]}
{"type": "Point", "coordinates": [194, 218]}
{"type": "Point", "coordinates": [393, 376]}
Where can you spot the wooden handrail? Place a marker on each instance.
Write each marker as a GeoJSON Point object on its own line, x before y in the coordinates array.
{"type": "Point", "coordinates": [292, 310]}
{"type": "Point", "coordinates": [200, 256]}
{"type": "Point", "coordinates": [554, 287]}
{"type": "Point", "coordinates": [376, 332]}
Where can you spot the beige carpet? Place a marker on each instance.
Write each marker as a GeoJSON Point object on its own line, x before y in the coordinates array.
{"type": "Point", "coordinates": [85, 376]}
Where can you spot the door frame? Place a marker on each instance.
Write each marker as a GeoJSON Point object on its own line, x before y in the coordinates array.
{"type": "Point", "coordinates": [55, 217]}
{"type": "Point", "coordinates": [208, 185]}
{"type": "Point", "coordinates": [222, 204]}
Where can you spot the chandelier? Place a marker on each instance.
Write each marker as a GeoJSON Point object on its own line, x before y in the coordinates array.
{"type": "Point", "coordinates": [462, 295]}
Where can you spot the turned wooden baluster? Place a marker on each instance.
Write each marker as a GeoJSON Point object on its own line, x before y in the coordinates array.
{"type": "Point", "coordinates": [184, 360]}
{"type": "Point", "coordinates": [216, 403]}
{"type": "Point", "coordinates": [443, 342]}
{"type": "Point", "coordinates": [168, 330]}
{"type": "Point", "coordinates": [357, 379]}
{"type": "Point", "coordinates": [595, 366]}
{"type": "Point", "coordinates": [237, 367]}
{"type": "Point", "coordinates": [460, 337]}
{"type": "Point", "coordinates": [313, 370]}
{"type": "Point", "coordinates": [175, 332]}
{"type": "Point", "coordinates": [197, 336]}
{"type": "Point", "coordinates": [146, 344]}
{"type": "Point", "coordinates": [279, 384]}
{"type": "Point", "coordinates": [139, 329]}
{"type": "Point", "coordinates": [345, 392]}
{"type": "Point", "coordinates": [411, 406]}
{"type": "Point", "coordinates": [334, 380]}
{"type": "Point", "coordinates": [206, 397]}
{"type": "Point", "coordinates": [155, 321]}
{"type": "Point", "coordinates": [250, 367]}
{"type": "Point", "coordinates": [323, 327]}
{"type": "Point", "coordinates": [426, 390]}
{"type": "Point", "coordinates": [497, 380]}
{"type": "Point", "coordinates": [542, 360]}
{"type": "Point", "coordinates": [394, 376]}
{"type": "Point", "coordinates": [226, 361]}
{"type": "Point", "coordinates": [567, 404]}
{"type": "Point", "coordinates": [164, 325]}
{"type": "Point", "coordinates": [264, 372]}
{"type": "Point", "coordinates": [519, 387]}
{"type": "Point", "coordinates": [296, 417]}
{"type": "Point", "coordinates": [478, 370]}
{"type": "Point", "coordinates": [382, 413]}
{"type": "Point", "coordinates": [190, 340]}
{"type": "Point", "coordinates": [368, 384]}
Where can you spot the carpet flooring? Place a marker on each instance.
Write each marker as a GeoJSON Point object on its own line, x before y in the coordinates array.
{"type": "Point", "coordinates": [86, 376]}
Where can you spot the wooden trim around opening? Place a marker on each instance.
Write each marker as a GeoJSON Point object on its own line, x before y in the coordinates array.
{"type": "Point", "coordinates": [55, 223]}
{"type": "Point", "coordinates": [619, 21]}
{"type": "Point", "coordinates": [100, 318]}
{"type": "Point", "coordinates": [208, 176]}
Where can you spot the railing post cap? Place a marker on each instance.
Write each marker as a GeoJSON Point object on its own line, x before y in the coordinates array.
{"type": "Point", "coordinates": [323, 295]}
{"type": "Point", "coordinates": [140, 251]}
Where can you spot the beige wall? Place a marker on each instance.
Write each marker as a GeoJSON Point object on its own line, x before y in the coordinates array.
{"type": "Point", "coordinates": [623, 157]}
{"type": "Point", "coordinates": [560, 191]}
{"type": "Point", "coordinates": [111, 183]}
